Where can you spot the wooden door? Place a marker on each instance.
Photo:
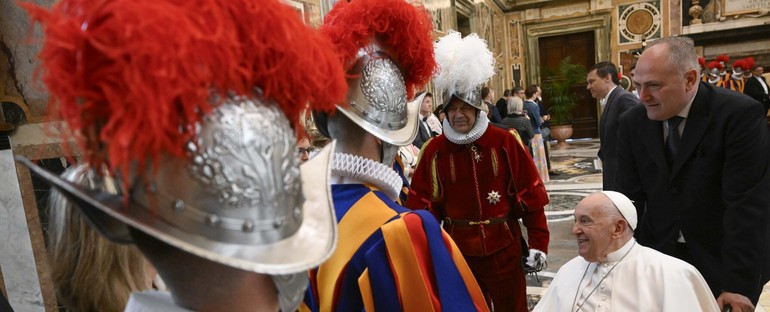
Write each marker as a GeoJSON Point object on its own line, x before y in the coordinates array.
{"type": "Point", "coordinates": [581, 48]}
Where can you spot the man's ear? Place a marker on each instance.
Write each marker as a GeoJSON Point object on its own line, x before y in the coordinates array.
{"type": "Point", "coordinates": [621, 226]}
{"type": "Point", "coordinates": [691, 79]}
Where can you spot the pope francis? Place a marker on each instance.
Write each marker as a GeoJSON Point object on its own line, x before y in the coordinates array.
{"type": "Point", "coordinates": [614, 273]}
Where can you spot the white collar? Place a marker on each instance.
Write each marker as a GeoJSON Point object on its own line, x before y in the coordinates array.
{"type": "Point", "coordinates": [482, 122]}
{"type": "Point", "coordinates": [686, 110]}
{"type": "Point", "coordinates": [356, 170]}
{"type": "Point", "coordinates": [608, 94]}
{"type": "Point", "coordinates": [618, 254]}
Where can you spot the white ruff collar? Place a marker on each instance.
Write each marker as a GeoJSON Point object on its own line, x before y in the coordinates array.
{"type": "Point", "coordinates": [369, 171]}
{"type": "Point", "coordinates": [482, 122]}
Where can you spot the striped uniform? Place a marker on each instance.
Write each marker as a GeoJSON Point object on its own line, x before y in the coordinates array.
{"type": "Point", "coordinates": [390, 258]}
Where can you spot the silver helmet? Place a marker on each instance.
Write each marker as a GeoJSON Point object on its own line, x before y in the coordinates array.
{"type": "Point", "coordinates": [241, 199]}
{"type": "Point", "coordinates": [378, 98]}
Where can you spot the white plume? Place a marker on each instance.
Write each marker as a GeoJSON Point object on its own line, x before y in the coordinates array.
{"type": "Point", "coordinates": [464, 63]}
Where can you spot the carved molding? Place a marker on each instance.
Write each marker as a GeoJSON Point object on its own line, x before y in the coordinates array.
{"type": "Point", "coordinates": [533, 31]}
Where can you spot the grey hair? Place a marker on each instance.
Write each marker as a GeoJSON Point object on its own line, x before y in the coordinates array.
{"type": "Point", "coordinates": [612, 212]}
{"type": "Point", "coordinates": [515, 105]}
{"type": "Point", "coordinates": [681, 54]}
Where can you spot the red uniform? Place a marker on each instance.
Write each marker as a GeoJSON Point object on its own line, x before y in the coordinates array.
{"type": "Point", "coordinates": [474, 188]}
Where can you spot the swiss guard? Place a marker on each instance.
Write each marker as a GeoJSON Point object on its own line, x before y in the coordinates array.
{"type": "Point", "coordinates": [736, 81]}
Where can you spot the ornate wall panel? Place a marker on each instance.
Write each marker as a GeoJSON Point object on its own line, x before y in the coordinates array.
{"type": "Point", "coordinates": [639, 21]}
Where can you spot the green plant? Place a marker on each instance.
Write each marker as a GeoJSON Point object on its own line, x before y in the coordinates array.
{"type": "Point", "coordinates": [558, 87]}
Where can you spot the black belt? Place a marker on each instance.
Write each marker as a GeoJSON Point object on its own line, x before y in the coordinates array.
{"type": "Point", "coordinates": [489, 221]}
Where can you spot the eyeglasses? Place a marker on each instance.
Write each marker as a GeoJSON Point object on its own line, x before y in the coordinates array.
{"type": "Point", "coordinates": [303, 150]}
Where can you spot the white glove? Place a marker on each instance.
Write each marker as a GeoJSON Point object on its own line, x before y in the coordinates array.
{"type": "Point", "coordinates": [536, 258]}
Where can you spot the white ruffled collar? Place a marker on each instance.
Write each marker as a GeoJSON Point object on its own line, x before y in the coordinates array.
{"type": "Point", "coordinates": [482, 122]}
{"type": "Point", "coordinates": [357, 169]}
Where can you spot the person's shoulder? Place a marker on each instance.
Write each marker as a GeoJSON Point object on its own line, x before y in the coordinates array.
{"type": "Point", "coordinates": [628, 96]}
{"type": "Point", "coordinates": [635, 113]}
{"type": "Point", "coordinates": [733, 100]}
{"type": "Point", "coordinates": [664, 261]}
{"type": "Point", "coordinates": [575, 264]}
{"type": "Point", "coordinates": [497, 132]}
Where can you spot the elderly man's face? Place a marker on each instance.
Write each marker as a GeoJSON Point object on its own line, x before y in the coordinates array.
{"type": "Point", "coordinates": [663, 90]}
{"type": "Point", "coordinates": [461, 115]}
{"type": "Point", "coordinates": [593, 228]}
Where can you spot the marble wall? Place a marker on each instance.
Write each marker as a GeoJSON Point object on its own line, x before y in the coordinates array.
{"type": "Point", "coordinates": [17, 261]}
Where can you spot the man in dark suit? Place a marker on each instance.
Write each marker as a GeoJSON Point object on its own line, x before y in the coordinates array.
{"type": "Point", "coordinates": [502, 104]}
{"type": "Point", "coordinates": [424, 129]}
{"type": "Point", "coordinates": [604, 85]}
{"type": "Point", "coordinates": [757, 88]}
{"type": "Point", "coordinates": [694, 159]}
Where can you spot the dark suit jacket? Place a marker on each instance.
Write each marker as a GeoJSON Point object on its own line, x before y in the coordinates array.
{"type": "Point", "coordinates": [618, 102]}
{"type": "Point", "coordinates": [716, 193]}
{"type": "Point", "coordinates": [521, 124]}
{"type": "Point", "coordinates": [754, 89]}
{"type": "Point", "coordinates": [502, 107]}
{"type": "Point", "coordinates": [422, 134]}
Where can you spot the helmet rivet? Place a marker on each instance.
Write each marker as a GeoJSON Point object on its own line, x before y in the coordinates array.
{"type": "Point", "coordinates": [178, 205]}
{"type": "Point", "coordinates": [212, 220]}
{"type": "Point", "coordinates": [277, 223]}
{"type": "Point", "coordinates": [248, 226]}
{"type": "Point", "coordinates": [152, 188]}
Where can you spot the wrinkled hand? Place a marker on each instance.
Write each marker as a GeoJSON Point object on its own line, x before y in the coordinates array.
{"type": "Point", "coordinates": [738, 302]}
{"type": "Point", "coordinates": [536, 258]}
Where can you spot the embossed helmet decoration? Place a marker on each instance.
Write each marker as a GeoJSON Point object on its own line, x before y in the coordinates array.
{"type": "Point", "coordinates": [465, 65]}
{"type": "Point", "coordinates": [385, 46]}
{"type": "Point", "coordinates": [196, 122]}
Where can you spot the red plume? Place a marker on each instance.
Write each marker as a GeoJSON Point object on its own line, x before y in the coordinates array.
{"type": "Point", "coordinates": [133, 78]}
{"type": "Point", "coordinates": [740, 64]}
{"type": "Point", "coordinates": [404, 30]}
{"type": "Point", "coordinates": [750, 62]}
{"type": "Point", "coordinates": [723, 58]}
{"type": "Point", "coordinates": [714, 64]}
{"type": "Point", "coordinates": [702, 62]}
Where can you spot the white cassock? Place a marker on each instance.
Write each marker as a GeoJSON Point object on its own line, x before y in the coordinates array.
{"type": "Point", "coordinates": [645, 280]}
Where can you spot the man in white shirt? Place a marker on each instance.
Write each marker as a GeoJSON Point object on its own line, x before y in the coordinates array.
{"type": "Point", "coordinates": [614, 273]}
{"type": "Point", "coordinates": [756, 87]}
{"type": "Point", "coordinates": [429, 125]}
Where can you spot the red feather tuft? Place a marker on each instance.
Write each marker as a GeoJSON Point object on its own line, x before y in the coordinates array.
{"type": "Point", "coordinates": [403, 29]}
{"type": "Point", "coordinates": [714, 64]}
{"type": "Point", "coordinates": [750, 62]}
{"type": "Point", "coordinates": [702, 62]}
{"type": "Point", "coordinates": [723, 58]}
{"type": "Point", "coordinates": [740, 64]}
{"type": "Point", "coordinates": [133, 78]}
{"type": "Point", "coordinates": [291, 63]}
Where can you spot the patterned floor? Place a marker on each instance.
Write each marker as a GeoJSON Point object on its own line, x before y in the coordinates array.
{"type": "Point", "coordinates": [579, 175]}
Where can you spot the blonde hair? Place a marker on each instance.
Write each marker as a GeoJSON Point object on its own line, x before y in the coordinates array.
{"type": "Point", "coordinates": [89, 272]}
